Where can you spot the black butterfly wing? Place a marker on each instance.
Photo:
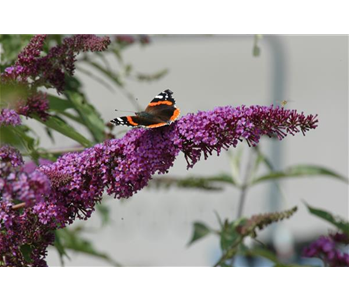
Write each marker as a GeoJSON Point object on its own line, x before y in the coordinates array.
{"type": "Point", "coordinates": [163, 106]}
{"type": "Point", "coordinates": [161, 111]}
{"type": "Point", "coordinates": [139, 121]}
{"type": "Point", "coordinates": [166, 95]}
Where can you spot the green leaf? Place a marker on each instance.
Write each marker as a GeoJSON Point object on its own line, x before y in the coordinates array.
{"type": "Point", "coordinates": [22, 133]}
{"type": "Point", "coordinates": [89, 115]}
{"type": "Point", "coordinates": [26, 251]}
{"type": "Point", "coordinates": [200, 231]}
{"type": "Point", "coordinates": [59, 247]}
{"type": "Point", "coordinates": [261, 158]}
{"type": "Point", "coordinates": [327, 216]}
{"type": "Point", "coordinates": [72, 84]}
{"type": "Point", "coordinates": [220, 222]}
{"type": "Point", "coordinates": [13, 136]}
{"type": "Point", "coordinates": [56, 123]}
{"type": "Point", "coordinates": [12, 44]}
{"type": "Point", "coordinates": [229, 236]}
{"type": "Point", "coordinates": [235, 164]}
{"type": "Point", "coordinates": [50, 135]}
{"type": "Point", "coordinates": [230, 240]}
{"type": "Point", "coordinates": [264, 158]}
{"type": "Point", "coordinates": [58, 104]}
{"type": "Point", "coordinates": [151, 77]}
{"type": "Point", "coordinates": [224, 178]}
{"type": "Point", "coordinates": [97, 78]}
{"type": "Point", "coordinates": [104, 211]}
{"type": "Point", "coordinates": [261, 252]}
{"type": "Point", "coordinates": [113, 77]}
{"type": "Point", "coordinates": [17, 137]}
{"type": "Point", "coordinates": [299, 171]}
{"type": "Point", "coordinates": [72, 240]}
{"type": "Point", "coordinates": [190, 182]}
{"type": "Point", "coordinates": [77, 119]}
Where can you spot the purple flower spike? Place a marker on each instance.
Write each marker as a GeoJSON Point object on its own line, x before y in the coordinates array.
{"type": "Point", "coordinates": [30, 53]}
{"type": "Point", "coordinates": [124, 166]}
{"type": "Point", "coordinates": [9, 117]}
{"type": "Point", "coordinates": [205, 132]}
{"type": "Point", "coordinates": [34, 69]}
{"type": "Point", "coordinates": [16, 185]}
{"type": "Point", "coordinates": [9, 157]}
{"type": "Point", "coordinates": [37, 103]}
{"type": "Point", "coordinates": [58, 193]}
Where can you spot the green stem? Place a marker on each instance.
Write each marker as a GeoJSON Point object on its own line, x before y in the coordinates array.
{"type": "Point", "coordinates": [57, 151]}
{"type": "Point", "coordinates": [245, 185]}
{"type": "Point", "coordinates": [242, 201]}
{"type": "Point", "coordinates": [229, 253]}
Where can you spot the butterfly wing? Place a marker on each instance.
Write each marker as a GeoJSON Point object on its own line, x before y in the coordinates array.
{"type": "Point", "coordinates": [165, 96]}
{"type": "Point", "coordinates": [164, 107]}
{"type": "Point", "coordinates": [139, 121]}
{"type": "Point", "coordinates": [160, 111]}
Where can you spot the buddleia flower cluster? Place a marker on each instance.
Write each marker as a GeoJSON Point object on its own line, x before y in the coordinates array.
{"type": "Point", "coordinates": [20, 228]}
{"type": "Point", "coordinates": [70, 187]}
{"type": "Point", "coordinates": [9, 117]}
{"type": "Point", "coordinates": [33, 69]}
{"type": "Point", "coordinates": [49, 70]}
{"type": "Point", "coordinates": [328, 249]}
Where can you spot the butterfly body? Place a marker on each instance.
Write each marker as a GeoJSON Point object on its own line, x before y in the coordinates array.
{"type": "Point", "coordinates": [161, 111]}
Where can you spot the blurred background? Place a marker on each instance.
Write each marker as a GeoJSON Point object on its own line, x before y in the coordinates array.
{"type": "Point", "coordinates": [154, 227]}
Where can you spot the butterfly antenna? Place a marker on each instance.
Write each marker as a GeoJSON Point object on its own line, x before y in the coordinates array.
{"type": "Point", "coordinates": [128, 111]}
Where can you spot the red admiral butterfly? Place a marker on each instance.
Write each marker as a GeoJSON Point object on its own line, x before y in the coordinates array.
{"type": "Point", "coordinates": [161, 111]}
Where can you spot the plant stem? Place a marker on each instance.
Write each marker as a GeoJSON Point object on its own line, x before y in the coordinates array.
{"type": "Point", "coordinates": [241, 201]}
{"type": "Point", "coordinates": [228, 253]}
{"type": "Point", "coordinates": [58, 151]}
{"type": "Point", "coordinates": [245, 185]}
{"type": "Point", "coordinates": [65, 150]}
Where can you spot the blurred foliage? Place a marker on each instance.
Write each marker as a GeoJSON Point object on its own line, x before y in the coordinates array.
{"type": "Point", "coordinates": [256, 161]}
{"type": "Point", "coordinates": [244, 177]}
{"type": "Point", "coordinates": [338, 222]}
{"type": "Point", "coordinates": [11, 45]}
{"type": "Point", "coordinates": [71, 239]}
{"type": "Point", "coordinates": [233, 233]}
{"type": "Point", "coordinates": [73, 108]}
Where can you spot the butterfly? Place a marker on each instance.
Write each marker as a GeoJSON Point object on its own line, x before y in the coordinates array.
{"type": "Point", "coordinates": [161, 111]}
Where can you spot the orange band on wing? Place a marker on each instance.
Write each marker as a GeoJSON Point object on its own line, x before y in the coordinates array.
{"type": "Point", "coordinates": [160, 102]}
{"type": "Point", "coordinates": [156, 125]}
{"type": "Point", "coordinates": [175, 114]}
{"type": "Point", "coordinates": [129, 119]}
